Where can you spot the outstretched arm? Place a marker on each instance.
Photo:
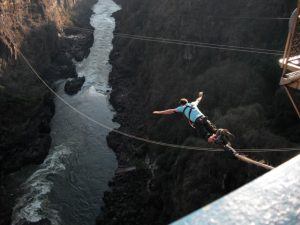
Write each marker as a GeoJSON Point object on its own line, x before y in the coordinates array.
{"type": "Point", "coordinates": [165, 112]}
{"type": "Point", "coordinates": [198, 100]}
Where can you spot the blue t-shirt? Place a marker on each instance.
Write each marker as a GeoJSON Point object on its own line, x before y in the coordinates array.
{"type": "Point", "coordinates": [195, 113]}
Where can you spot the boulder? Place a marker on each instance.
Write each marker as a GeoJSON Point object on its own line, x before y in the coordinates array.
{"type": "Point", "coordinates": [74, 85]}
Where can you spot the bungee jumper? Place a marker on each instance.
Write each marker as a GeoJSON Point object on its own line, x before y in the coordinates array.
{"type": "Point", "coordinates": [207, 129]}
{"type": "Point", "coordinates": [199, 121]}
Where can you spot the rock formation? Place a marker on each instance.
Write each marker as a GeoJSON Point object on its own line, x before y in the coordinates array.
{"type": "Point", "coordinates": [26, 107]}
{"type": "Point", "coordinates": [241, 93]}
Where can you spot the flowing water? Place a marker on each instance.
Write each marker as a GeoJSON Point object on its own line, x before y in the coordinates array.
{"type": "Point", "coordinates": [68, 187]}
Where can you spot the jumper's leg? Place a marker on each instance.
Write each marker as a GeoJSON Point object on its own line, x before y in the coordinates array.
{"type": "Point", "coordinates": [209, 126]}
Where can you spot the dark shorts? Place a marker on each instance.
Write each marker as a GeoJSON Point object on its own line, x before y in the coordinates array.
{"type": "Point", "coordinates": [204, 127]}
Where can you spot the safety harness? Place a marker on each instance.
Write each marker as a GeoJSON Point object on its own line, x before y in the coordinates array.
{"type": "Point", "coordinates": [189, 118]}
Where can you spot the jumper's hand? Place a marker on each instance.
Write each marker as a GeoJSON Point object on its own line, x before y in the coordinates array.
{"type": "Point", "coordinates": [200, 93]}
{"type": "Point", "coordinates": [156, 112]}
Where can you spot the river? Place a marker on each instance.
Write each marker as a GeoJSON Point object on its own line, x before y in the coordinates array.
{"type": "Point", "coordinates": [67, 188]}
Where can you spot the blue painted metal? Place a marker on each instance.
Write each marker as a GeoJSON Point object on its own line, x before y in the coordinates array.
{"type": "Point", "coordinates": [272, 199]}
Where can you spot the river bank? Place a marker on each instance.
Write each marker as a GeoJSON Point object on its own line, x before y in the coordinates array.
{"type": "Point", "coordinates": [31, 140]}
{"type": "Point", "coordinates": [131, 199]}
{"type": "Point", "coordinates": [67, 188]}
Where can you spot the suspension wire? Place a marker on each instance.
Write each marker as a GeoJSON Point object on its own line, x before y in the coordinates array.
{"type": "Point", "coordinates": [149, 141]}
{"type": "Point", "coordinates": [184, 14]}
{"type": "Point", "coordinates": [180, 41]}
{"type": "Point", "coordinates": [201, 44]}
{"type": "Point", "coordinates": [189, 43]}
{"type": "Point", "coordinates": [247, 18]}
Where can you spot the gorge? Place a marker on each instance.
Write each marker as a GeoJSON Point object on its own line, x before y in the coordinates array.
{"type": "Point", "coordinates": [241, 93]}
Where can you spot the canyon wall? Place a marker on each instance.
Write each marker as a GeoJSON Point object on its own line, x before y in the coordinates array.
{"type": "Point", "coordinates": [34, 27]}
{"type": "Point", "coordinates": [241, 93]}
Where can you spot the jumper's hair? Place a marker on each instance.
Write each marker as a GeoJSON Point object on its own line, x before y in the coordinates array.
{"type": "Point", "coordinates": [183, 101]}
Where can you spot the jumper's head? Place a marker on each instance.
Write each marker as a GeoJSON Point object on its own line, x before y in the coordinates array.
{"type": "Point", "coordinates": [183, 101]}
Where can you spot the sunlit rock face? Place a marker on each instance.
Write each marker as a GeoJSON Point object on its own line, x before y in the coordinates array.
{"type": "Point", "coordinates": [35, 29]}
{"type": "Point", "coordinates": [19, 18]}
{"type": "Point", "coordinates": [271, 199]}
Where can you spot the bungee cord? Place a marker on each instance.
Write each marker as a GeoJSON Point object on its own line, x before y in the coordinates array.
{"type": "Point", "coordinates": [131, 136]}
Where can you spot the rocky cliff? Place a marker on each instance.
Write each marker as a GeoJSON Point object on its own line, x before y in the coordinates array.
{"type": "Point", "coordinates": [26, 106]}
{"type": "Point", "coordinates": [240, 93]}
